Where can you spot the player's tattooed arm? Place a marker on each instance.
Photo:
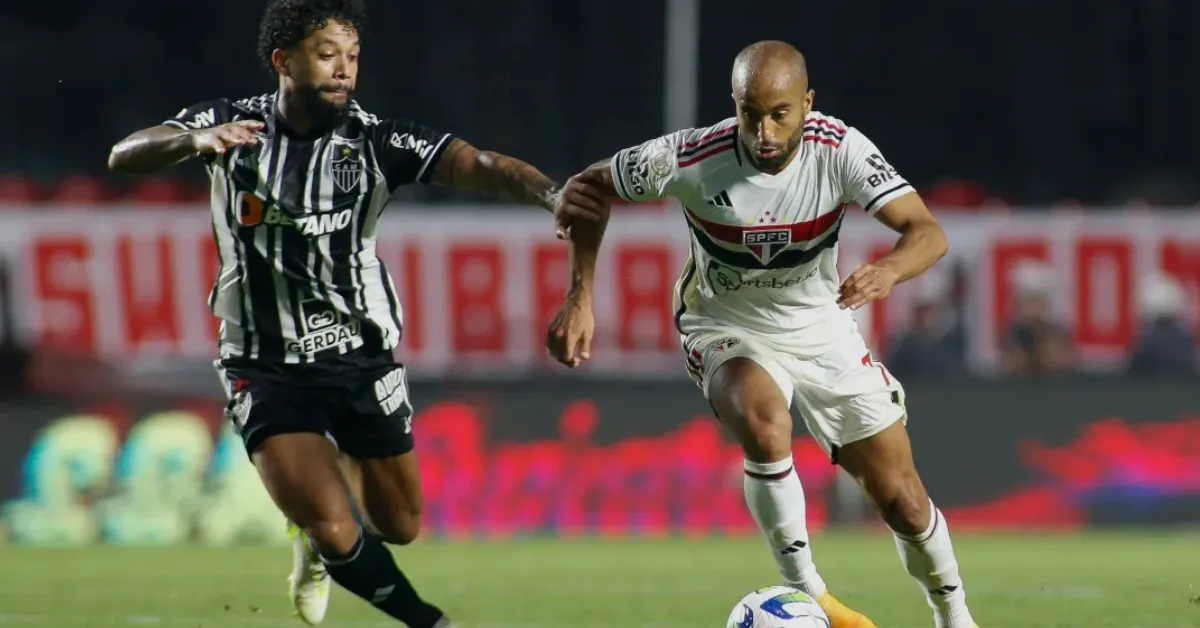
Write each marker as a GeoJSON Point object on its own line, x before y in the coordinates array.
{"type": "Point", "coordinates": [150, 150]}
{"type": "Point", "coordinates": [159, 147]}
{"type": "Point", "coordinates": [465, 167]}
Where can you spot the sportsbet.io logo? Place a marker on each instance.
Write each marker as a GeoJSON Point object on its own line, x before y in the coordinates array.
{"type": "Point", "coordinates": [724, 279]}
{"type": "Point", "coordinates": [636, 171]}
{"type": "Point", "coordinates": [884, 171]}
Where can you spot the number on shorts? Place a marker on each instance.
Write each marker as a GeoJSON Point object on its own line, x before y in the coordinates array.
{"type": "Point", "coordinates": [868, 361]}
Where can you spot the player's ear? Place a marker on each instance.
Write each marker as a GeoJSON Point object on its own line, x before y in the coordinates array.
{"type": "Point", "coordinates": [279, 60]}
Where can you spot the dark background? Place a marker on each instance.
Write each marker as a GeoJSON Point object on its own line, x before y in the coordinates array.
{"type": "Point", "coordinates": [1038, 102]}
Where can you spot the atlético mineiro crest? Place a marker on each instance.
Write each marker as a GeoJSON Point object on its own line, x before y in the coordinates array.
{"type": "Point", "coordinates": [346, 167]}
{"type": "Point", "coordinates": [765, 244]}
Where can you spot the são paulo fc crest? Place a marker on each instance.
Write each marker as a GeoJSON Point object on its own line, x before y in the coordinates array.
{"type": "Point", "coordinates": [346, 167]}
{"type": "Point", "coordinates": [765, 244]}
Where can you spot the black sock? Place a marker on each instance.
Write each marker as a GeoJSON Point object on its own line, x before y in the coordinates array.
{"type": "Point", "coordinates": [369, 572]}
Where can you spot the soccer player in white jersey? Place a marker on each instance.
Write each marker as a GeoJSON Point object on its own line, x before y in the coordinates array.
{"type": "Point", "coordinates": [763, 318]}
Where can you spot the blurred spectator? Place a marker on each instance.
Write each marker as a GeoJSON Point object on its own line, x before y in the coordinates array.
{"type": "Point", "coordinates": [1036, 342]}
{"type": "Point", "coordinates": [14, 359]}
{"type": "Point", "coordinates": [935, 343]}
{"type": "Point", "coordinates": [1166, 345]}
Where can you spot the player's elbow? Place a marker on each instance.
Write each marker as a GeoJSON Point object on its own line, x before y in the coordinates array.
{"type": "Point", "coordinates": [941, 244]}
{"type": "Point", "coordinates": [119, 161]}
{"type": "Point", "coordinates": [115, 163]}
{"type": "Point", "coordinates": [934, 238]}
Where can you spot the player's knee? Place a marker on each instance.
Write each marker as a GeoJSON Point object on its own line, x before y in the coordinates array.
{"type": "Point", "coordinates": [398, 525]}
{"type": "Point", "coordinates": [332, 536]}
{"type": "Point", "coordinates": [768, 434]}
{"type": "Point", "coordinates": [902, 502]}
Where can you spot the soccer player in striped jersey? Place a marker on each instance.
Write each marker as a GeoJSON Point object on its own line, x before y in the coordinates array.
{"type": "Point", "coordinates": [309, 315]}
{"type": "Point", "coordinates": [764, 320]}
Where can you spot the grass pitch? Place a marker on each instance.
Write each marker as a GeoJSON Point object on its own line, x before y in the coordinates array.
{"type": "Point", "coordinates": [1128, 580]}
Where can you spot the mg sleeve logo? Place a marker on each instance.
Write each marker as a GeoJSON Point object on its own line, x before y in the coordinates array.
{"type": "Point", "coordinates": [765, 244]}
{"type": "Point", "coordinates": [202, 120]}
{"type": "Point", "coordinates": [405, 141]}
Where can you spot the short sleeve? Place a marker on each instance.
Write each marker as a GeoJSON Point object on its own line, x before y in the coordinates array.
{"type": "Point", "coordinates": [408, 152]}
{"type": "Point", "coordinates": [645, 172]}
{"type": "Point", "coordinates": [202, 115]}
{"type": "Point", "coordinates": [866, 177]}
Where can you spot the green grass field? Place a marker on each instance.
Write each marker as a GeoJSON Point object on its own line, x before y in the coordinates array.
{"type": "Point", "coordinates": [1126, 580]}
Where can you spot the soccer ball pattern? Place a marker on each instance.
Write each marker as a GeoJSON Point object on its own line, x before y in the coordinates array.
{"type": "Point", "coordinates": [777, 607]}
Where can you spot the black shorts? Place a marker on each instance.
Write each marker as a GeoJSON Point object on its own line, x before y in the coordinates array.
{"type": "Point", "coordinates": [361, 403]}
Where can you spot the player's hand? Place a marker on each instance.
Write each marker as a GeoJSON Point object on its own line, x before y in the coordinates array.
{"type": "Point", "coordinates": [582, 197]}
{"type": "Point", "coordinates": [221, 138]}
{"type": "Point", "coordinates": [569, 339]}
{"type": "Point", "coordinates": [868, 283]}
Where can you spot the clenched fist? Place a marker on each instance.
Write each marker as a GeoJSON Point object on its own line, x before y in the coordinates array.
{"type": "Point", "coordinates": [569, 338]}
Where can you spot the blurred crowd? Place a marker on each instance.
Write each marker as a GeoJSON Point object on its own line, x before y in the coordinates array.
{"type": "Point", "coordinates": [1036, 341]}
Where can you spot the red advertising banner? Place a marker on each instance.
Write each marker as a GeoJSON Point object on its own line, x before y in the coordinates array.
{"type": "Point", "coordinates": [480, 285]}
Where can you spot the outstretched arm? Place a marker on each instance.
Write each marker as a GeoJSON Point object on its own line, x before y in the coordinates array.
{"type": "Point", "coordinates": [159, 147]}
{"type": "Point", "coordinates": [467, 168]}
{"type": "Point", "coordinates": [208, 128]}
{"type": "Point", "coordinates": [151, 150]}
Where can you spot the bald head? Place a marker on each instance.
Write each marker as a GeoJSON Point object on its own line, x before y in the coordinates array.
{"type": "Point", "coordinates": [773, 65]}
{"type": "Point", "coordinates": [770, 92]}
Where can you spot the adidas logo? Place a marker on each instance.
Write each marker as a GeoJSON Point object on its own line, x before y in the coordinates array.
{"type": "Point", "coordinates": [796, 546]}
{"type": "Point", "coordinates": [721, 200]}
{"type": "Point", "coordinates": [382, 594]}
{"type": "Point", "coordinates": [946, 590]}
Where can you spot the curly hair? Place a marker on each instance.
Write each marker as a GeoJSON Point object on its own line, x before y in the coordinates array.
{"type": "Point", "coordinates": [288, 22]}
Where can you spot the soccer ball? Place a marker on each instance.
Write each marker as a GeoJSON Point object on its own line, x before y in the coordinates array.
{"type": "Point", "coordinates": [777, 607]}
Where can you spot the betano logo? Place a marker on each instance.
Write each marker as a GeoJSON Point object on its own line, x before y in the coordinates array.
{"type": "Point", "coordinates": [252, 211]}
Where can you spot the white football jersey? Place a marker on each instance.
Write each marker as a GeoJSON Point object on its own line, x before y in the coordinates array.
{"type": "Point", "coordinates": [764, 247]}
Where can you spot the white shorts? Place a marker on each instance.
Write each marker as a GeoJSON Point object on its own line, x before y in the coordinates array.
{"type": "Point", "coordinates": [843, 395]}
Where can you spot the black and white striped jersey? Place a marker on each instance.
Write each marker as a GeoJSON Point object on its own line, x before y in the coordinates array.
{"type": "Point", "coordinates": [295, 220]}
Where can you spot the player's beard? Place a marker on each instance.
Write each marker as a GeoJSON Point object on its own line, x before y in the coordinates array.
{"type": "Point", "coordinates": [776, 162]}
{"type": "Point", "coordinates": [324, 114]}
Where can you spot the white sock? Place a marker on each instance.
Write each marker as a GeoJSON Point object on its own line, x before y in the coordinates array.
{"type": "Point", "coordinates": [776, 501]}
{"type": "Point", "coordinates": [929, 557]}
